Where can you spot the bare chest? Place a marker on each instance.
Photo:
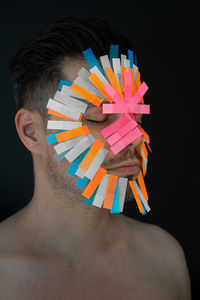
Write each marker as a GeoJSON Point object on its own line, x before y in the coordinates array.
{"type": "Point", "coordinates": [115, 280]}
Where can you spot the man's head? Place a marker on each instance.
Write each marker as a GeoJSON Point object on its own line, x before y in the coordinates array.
{"type": "Point", "coordinates": [53, 54]}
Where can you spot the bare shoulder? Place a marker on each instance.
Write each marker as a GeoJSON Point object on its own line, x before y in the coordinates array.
{"type": "Point", "coordinates": [160, 248]}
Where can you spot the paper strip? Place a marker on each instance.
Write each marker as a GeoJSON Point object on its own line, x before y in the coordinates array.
{"type": "Point", "coordinates": [100, 195]}
{"type": "Point", "coordinates": [105, 62]}
{"type": "Point", "coordinates": [114, 82]}
{"type": "Point", "coordinates": [63, 109]}
{"type": "Point", "coordinates": [117, 70]}
{"type": "Point", "coordinates": [86, 84]}
{"type": "Point", "coordinates": [55, 113]}
{"type": "Point", "coordinates": [110, 191]}
{"type": "Point", "coordinates": [96, 71]}
{"type": "Point", "coordinates": [61, 156]}
{"type": "Point", "coordinates": [126, 108]}
{"type": "Point", "coordinates": [141, 196]}
{"type": "Point", "coordinates": [96, 163]}
{"type": "Point", "coordinates": [122, 182]}
{"type": "Point", "coordinates": [70, 134]}
{"type": "Point", "coordinates": [91, 199]}
{"type": "Point", "coordinates": [83, 72]}
{"type": "Point", "coordinates": [114, 49]}
{"type": "Point", "coordinates": [115, 207]}
{"type": "Point", "coordinates": [127, 85]}
{"type": "Point", "coordinates": [86, 94]}
{"type": "Point", "coordinates": [130, 57]}
{"type": "Point", "coordinates": [74, 166]}
{"type": "Point", "coordinates": [122, 132]}
{"type": "Point", "coordinates": [105, 132]}
{"type": "Point", "coordinates": [113, 94]}
{"type": "Point", "coordinates": [139, 93]}
{"type": "Point", "coordinates": [51, 138]}
{"type": "Point", "coordinates": [91, 59]}
{"type": "Point", "coordinates": [142, 186]}
{"type": "Point", "coordinates": [66, 90]}
{"type": "Point", "coordinates": [126, 140]}
{"type": "Point", "coordinates": [64, 82]}
{"type": "Point", "coordinates": [79, 148]}
{"type": "Point", "coordinates": [137, 199]}
{"type": "Point", "coordinates": [66, 145]}
{"type": "Point", "coordinates": [123, 58]}
{"type": "Point", "coordinates": [127, 64]}
{"type": "Point", "coordinates": [99, 84]}
{"type": "Point", "coordinates": [82, 182]}
{"type": "Point", "coordinates": [93, 184]}
{"type": "Point", "coordinates": [70, 101]}
{"type": "Point", "coordinates": [95, 148]}
{"type": "Point", "coordinates": [63, 125]}
{"type": "Point", "coordinates": [135, 68]}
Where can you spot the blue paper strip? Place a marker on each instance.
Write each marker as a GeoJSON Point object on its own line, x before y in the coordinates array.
{"type": "Point", "coordinates": [64, 82]}
{"type": "Point", "coordinates": [130, 57]}
{"type": "Point", "coordinates": [115, 207]}
{"type": "Point", "coordinates": [91, 59]}
{"type": "Point", "coordinates": [114, 49]}
{"type": "Point", "coordinates": [51, 138]}
{"type": "Point", "coordinates": [91, 199]}
{"type": "Point", "coordinates": [135, 60]}
{"type": "Point", "coordinates": [74, 166]}
{"type": "Point", "coordinates": [82, 182]}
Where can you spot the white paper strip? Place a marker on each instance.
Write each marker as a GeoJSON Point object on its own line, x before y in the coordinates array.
{"type": "Point", "coordinates": [63, 109]}
{"type": "Point", "coordinates": [141, 196]}
{"type": "Point", "coordinates": [117, 69]}
{"type": "Point", "coordinates": [70, 102]}
{"type": "Point", "coordinates": [123, 57]}
{"type": "Point", "coordinates": [122, 184]}
{"type": "Point", "coordinates": [63, 146]}
{"type": "Point", "coordinates": [66, 90]}
{"type": "Point", "coordinates": [96, 163]}
{"type": "Point", "coordinates": [145, 161]}
{"type": "Point", "coordinates": [100, 195]}
{"type": "Point", "coordinates": [63, 125]}
{"type": "Point", "coordinates": [135, 68]}
{"type": "Point", "coordinates": [80, 148]}
{"type": "Point", "coordinates": [96, 71]}
{"type": "Point", "coordinates": [88, 86]}
{"type": "Point", "coordinates": [127, 64]}
{"type": "Point", "coordinates": [80, 173]}
{"type": "Point", "coordinates": [105, 62]}
{"type": "Point", "coordinates": [83, 72]}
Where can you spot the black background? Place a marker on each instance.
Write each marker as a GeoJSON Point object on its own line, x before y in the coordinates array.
{"type": "Point", "coordinates": [166, 36]}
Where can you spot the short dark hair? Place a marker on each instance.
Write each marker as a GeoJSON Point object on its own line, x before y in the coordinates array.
{"type": "Point", "coordinates": [36, 67]}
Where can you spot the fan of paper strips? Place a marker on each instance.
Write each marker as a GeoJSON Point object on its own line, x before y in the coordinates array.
{"type": "Point", "coordinates": [120, 85]}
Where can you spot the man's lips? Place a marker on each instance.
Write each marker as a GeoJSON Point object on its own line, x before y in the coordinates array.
{"type": "Point", "coordinates": [126, 168]}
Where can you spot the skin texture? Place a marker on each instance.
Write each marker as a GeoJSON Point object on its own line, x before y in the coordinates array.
{"type": "Point", "coordinates": [58, 247]}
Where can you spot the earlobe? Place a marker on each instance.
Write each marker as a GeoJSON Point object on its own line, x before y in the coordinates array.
{"type": "Point", "coordinates": [27, 128]}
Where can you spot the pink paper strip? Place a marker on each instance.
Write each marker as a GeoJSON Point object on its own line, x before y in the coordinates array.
{"type": "Point", "coordinates": [127, 85]}
{"type": "Point", "coordinates": [113, 94]}
{"type": "Point", "coordinates": [115, 126]}
{"type": "Point", "coordinates": [126, 108]}
{"type": "Point", "coordinates": [121, 132]}
{"type": "Point", "coordinates": [139, 94]}
{"type": "Point", "coordinates": [126, 140]}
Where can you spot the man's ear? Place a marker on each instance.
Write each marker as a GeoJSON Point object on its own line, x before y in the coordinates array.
{"type": "Point", "coordinates": [30, 129]}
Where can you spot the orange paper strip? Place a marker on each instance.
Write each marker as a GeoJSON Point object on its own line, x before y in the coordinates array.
{"type": "Point", "coordinates": [85, 94]}
{"type": "Point", "coordinates": [57, 114]}
{"type": "Point", "coordinates": [110, 191]}
{"type": "Point", "coordinates": [70, 134]}
{"type": "Point", "coordinates": [142, 186]}
{"type": "Point", "coordinates": [93, 184]}
{"type": "Point", "coordinates": [144, 149]}
{"type": "Point", "coordinates": [139, 204]}
{"type": "Point", "coordinates": [145, 135]}
{"type": "Point", "coordinates": [100, 86]}
{"type": "Point", "coordinates": [138, 83]}
{"type": "Point", "coordinates": [123, 69]}
{"type": "Point", "coordinates": [114, 82]}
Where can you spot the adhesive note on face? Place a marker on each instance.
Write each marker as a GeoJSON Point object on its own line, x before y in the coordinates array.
{"type": "Point", "coordinates": [117, 70]}
{"type": "Point", "coordinates": [114, 82]}
{"type": "Point", "coordinates": [86, 84]}
{"type": "Point", "coordinates": [67, 91]}
{"type": "Point", "coordinates": [115, 207]}
{"type": "Point", "coordinates": [51, 138]}
{"type": "Point", "coordinates": [142, 197]}
{"type": "Point", "coordinates": [100, 195]}
{"type": "Point", "coordinates": [122, 132]}
{"type": "Point", "coordinates": [110, 191]}
{"type": "Point", "coordinates": [100, 85]}
{"type": "Point", "coordinates": [130, 57]}
{"type": "Point", "coordinates": [127, 85]}
{"type": "Point", "coordinates": [91, 199]}
{"type": "Point", "coordinates": [137, 198]}
{"type": "Point", "coordinates": [94, 149]}
{"type": "Point", "coordinates": [142, 186]}
{"type": "Point", "coordinates": [93, 184]}
{"type": "Point", "coordinates": [79, 148]}
{"type": "Point", "coordinates": [74, 166]}
{"type": "Point", "coordinates": [61, 156]}
{"type": "Point", "coordinates": [66, 145]}
{"type": "Point", "coordinates": [64, 82]}
{"type": "Point", "coordinates": [122, 184]}
{"type": "Point", "coordinates": [113, 94]}
{"type": "Point", "coordinates": [114, 49]}
{"type": "Point", "coordinates": [127, 64]}
{"type": "Point", "coordinates": [82, 182]}
{"type": "Point", "coordinates": [96, 163]}
{"type": "Point", "coordinates": [64, 125]}
{"type": "Point", "coordinates": [70, 134]}
{"type": "Point", "coordinates": [70, 101]}
{"type": "Point", "coordinates": [63, 109]}
{"type": "Point", "coordinates": [83, 72]}
{"type": "Point", "coordinates": [126, 107]}
{"type": "Point", "coordinates": [115, 126]}
{"type": "Point", "coordinates": [126, 140]}
{"type": "Point", "coordinates": [139, 93]}
{"type": "Point", "coordinates": [91, 59]}
{"type": "Point", "coordinates": [101, 77]}
{"type": "Point", "coordinates": [55, 113]}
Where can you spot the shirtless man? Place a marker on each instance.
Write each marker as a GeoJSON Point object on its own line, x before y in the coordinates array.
{"type": "Point", "coordinates": [58, 247]}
